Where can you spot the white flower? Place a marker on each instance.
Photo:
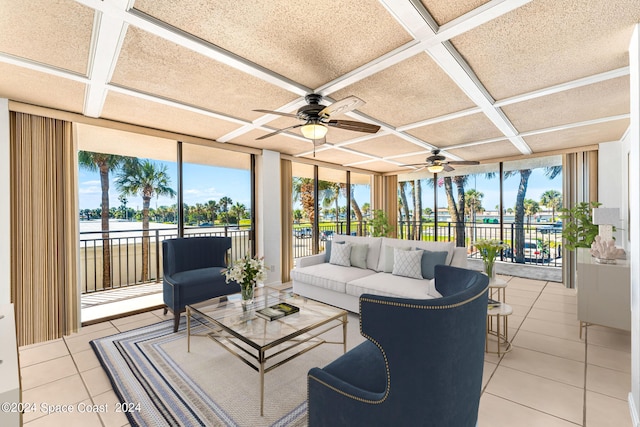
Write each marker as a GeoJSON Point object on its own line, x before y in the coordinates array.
{"type": "Point", "coordinates": [246, 270]}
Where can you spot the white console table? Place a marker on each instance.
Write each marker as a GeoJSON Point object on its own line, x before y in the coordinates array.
{"type": "Point", "coordinates": [9, 368]}
{"type": "Point", "coordinates": [604, 292]}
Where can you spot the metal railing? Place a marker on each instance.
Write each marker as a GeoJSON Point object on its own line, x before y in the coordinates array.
{"type": "Point", "coordinates": [542, 244]}
{"type": "Point", "coordinates": [125, 253]}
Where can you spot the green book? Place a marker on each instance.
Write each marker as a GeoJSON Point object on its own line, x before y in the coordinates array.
{"type": "Point", "coordinates": [277, 311]}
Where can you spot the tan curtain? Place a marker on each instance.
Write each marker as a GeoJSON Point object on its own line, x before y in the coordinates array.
{"type": "Point", "coordinates": [390, 200]}
{"type": "Point", "coordinates": [377, 192]}
{"type": "Point", "coordinates": [44, 228]}
{"type": "Point", "coordinates": [286, 190]}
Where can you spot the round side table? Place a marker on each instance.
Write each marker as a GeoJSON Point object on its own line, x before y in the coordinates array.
{"type": "Point", "coordinates": [500, 329]}
{"type": "Point", "coordinates": [497, 290]}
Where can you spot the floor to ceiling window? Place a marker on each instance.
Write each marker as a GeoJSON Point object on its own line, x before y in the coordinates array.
{"type": "Point", "coordinates": [360, 203]}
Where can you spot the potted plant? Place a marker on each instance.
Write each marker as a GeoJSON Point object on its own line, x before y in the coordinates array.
{"type": "Point", "coordinates": [380, 226]}
{"type": "Point", "coordinates": [579, 230]}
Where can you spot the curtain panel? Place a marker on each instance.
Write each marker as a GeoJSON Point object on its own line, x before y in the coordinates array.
{"type": "Point", "coordinates": [286, 195]}
{"type": "Point", "coordinates": [44, 228]}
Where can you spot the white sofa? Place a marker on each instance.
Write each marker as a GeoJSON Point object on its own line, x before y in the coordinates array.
{"type": "Point", "coordinates": [316, 278]}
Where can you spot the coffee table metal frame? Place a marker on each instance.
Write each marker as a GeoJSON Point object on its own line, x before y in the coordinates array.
{"type": "Point", "coordinates": [225, 321]}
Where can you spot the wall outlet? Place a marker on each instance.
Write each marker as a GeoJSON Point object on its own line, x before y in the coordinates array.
{"type": "Point", "coordinates": [273, 267]}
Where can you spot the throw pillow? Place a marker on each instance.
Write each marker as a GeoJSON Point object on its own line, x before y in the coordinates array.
{"type": "Point", "coordinates": [430, 260]}
{"type": "Point", "coordinates": [407, 263]}
{"type": "Point", "coordinates": [327, 249]}
{"type": "Point", "coordinates": [358, 256]}
{"type": "Point", "coordinates": [388, 257]}
{"type": "Point", "coordinates": [340, 255]}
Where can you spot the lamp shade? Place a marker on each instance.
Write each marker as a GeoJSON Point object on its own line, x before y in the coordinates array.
{"type": "Point", "coordinates": [603, 216]}
{"type": "Point", "coordinates": [314, 131]}
{"type": "Point", "coordinates": [435, 168]}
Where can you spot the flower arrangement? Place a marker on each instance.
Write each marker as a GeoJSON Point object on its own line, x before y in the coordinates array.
{"type": "Point", "coordinates": [489, 249]}
{"type": "Point", "coordinates": [246, 271]}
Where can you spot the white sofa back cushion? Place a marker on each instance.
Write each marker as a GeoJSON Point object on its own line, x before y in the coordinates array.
{"type": "Point", "coordinates": [373, 254]}
{"type": "Point", "coordinates": [430, 246]}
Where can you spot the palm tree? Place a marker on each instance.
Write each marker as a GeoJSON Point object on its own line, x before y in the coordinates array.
{"type": "Point", "coordinates": [238, 210]}
{"type": "Point", "coordinates": [531, 207]}
{"type": "Point", "coordinates": [405, 207]}
{"type": "Point", "coordinates": [456, 211]}
{"type": "Point", "coordinates": [330, 194]}
{"type": "Point", "coordinates": [213, 207]}
{"type": "Point", "coordinates": [552, 199]}
{"type": "Point", "coordinates": [303, 192]}
{"type": "Point", "coordinates": [147, 180]}
{"type": "Point", "coordinates": [104, 163]}
{"type": "Point", "coordinates": [225, 202]}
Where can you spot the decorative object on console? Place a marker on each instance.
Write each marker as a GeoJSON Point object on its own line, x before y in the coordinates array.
{"type": "Point", "coordinates": [489, 249]}
{"type": "Point", "coordinates": [247, 272]}
{"type": "Point", "coordinates": [603, 248]}
{"type": "Point", "coordinates": [605, 251]}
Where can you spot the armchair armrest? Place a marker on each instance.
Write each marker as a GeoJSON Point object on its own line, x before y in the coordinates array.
{"type": "Point", "coordinates": [311, 260]}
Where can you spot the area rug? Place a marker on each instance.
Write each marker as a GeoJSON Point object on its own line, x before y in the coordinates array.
{"type": "Point", "coordinates": [163, 384]}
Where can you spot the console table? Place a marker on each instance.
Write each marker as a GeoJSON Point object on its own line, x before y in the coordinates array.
{"type": "Point", "coordinates": [604, 292]}
{"type": "Point", "coordinates": [9, 370]}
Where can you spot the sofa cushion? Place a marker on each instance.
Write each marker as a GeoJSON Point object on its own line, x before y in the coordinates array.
{"type": "Point", "coordinates": [327, 249]}
{"type": "Point", "coordinates": [438, 247]}
{"type": "Point", "coordinates": [373, 254]}
{"type": "Point", "coordinates": [387, 255]}
{"type": "Point", "coordinates": [385, 284]}
{"type": "Point", "coordinates": [340, 255]}
{"type": "Point", "coordinates": [429, 262]}
{"type": "Point", "coordinates": [358, 256]}
{"type": "Point", "coordinates": [407, 263]}
{"type": "Point", "coordinates": [329, 276]}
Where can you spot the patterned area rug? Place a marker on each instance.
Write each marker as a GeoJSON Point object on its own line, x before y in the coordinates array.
{"type": "Point", "coordinates": [208, 386]}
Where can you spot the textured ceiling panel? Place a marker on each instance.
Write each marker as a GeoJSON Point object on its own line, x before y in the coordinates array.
{"type": "Point", "coordinates": [46, 34]}
{"type": "Point", "coordinates": [413, 90]}
{"type": "Point", "coordinates": [154, 65]}
{"type": "Point", "coordinates": [337, 156]}
{"type": "Point", "coordinates": [299, 40]}
{"type": "Point", "coordinates": [608, 98]}
{"type": "Point", "coordinates": [32, 87]}
{"type": "Point", "coordinates": [384, 146]}
{"type": "Point", "coordinates": [124, 108]}
{"type": "Point", "coordinates": [547, 42]}
{"type": "Point", "coordinates": [578, 137]}
{"type": "Point", "coordinates": [475, 127]}
{"type": "Point", "coordinates": [487, 151]}
{"type": "Point", "coordinates": [443, 11]}
{"type": "Point", "coordinates": [379, 166]}
{"type": "Point", "coordinates": [280, 143]}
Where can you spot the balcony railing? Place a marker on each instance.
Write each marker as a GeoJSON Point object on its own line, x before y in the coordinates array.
{"type": "Point", "coordinates": [125, 250]}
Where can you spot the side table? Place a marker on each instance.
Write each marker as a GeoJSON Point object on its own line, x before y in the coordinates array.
{"type": "Point", "coordinates": [501, 330]}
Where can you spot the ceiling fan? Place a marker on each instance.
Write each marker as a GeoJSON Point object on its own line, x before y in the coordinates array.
{"type": "Point", "coordinates": [437, 163]}
{"type": "Point", "coordinates": [317, 118]}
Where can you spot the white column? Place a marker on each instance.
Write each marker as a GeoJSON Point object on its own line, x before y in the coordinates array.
{"type": "Point", "coordinates": [268, 213]}
{"type": "Point", "coordinates": [5, 212]}
{"type": "Point", "coordinates": [634, 205]}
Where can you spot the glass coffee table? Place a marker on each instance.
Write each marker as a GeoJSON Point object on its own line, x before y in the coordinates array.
{"type": "Point", "coordinates": [263, 344]}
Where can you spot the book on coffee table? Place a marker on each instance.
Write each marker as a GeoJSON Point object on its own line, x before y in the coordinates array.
{"type": "Point", "coordinates": [277, 311]}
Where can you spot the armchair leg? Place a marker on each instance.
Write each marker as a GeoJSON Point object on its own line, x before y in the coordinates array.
{"type": "Point", "coordinates": [165, 310]}
{"type": "Point", "coordinates": [176, 322]}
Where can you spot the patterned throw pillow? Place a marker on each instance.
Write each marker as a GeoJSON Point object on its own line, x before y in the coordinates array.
{"type": "Point", "coordinates": [387, 253]}
{"type": "Point", "coordinates": [340, 255]}
{"type": "Point", "coordinates": [407, 263]}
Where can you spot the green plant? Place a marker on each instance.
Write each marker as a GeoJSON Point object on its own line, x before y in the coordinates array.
{"type": "Point", "coordinates": [380, 226]}
{"type": "Point", "coordinates": [578, 229]}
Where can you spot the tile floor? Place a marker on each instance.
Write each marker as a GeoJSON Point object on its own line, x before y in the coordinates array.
{"type": "Point", "coordinates": [551, 378]}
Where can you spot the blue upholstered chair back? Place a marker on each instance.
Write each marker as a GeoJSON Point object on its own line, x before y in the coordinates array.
{"type": "Point", "coordinates": [427, 358]}
{"type": "Point", "coordinates": [192, 253]}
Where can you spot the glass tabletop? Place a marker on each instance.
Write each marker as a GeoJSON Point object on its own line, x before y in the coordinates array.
{"type": "Point", "coordinates": [228, 315]}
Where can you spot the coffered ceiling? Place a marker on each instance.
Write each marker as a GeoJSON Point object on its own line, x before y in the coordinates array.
{"type": "Point", "coordinates": [478, 79]}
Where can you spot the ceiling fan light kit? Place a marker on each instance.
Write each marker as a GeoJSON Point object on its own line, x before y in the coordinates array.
{"type": "Point", "coordinates": [435, 168]}
{"type": "Point", "coordinates": [437, 163]}
{"type": "Point", "coordinates": [314, 131]}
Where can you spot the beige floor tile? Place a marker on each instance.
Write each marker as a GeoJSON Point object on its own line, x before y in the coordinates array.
{"type": "Point", "coordinates": [46, 372]}
{"type": "Point", "coordinates": [78, 343]}
{"type": "Point", "coordinates": [610, 338]}
{"type": "Point", "coordinates": [513, 299]}
{"type": "Point", "coordinates": [555, 316]}
{"type": "Point", "coordinates": [609, 358]}
{"type": "Point", "coordinates": [557, 306]}
{"type": "Point", "coordinates": [538, 393]}
{"type": "Point", "coordinates": [38, 344]}
{"type": "Point", "coordinates": [110, 418]}
{"type": "Point", "coordinates": [487, 372]}
{"type": "Point", "coordinates": [605, 411]}
{"type": "Point", "coordinates": [66, 391]}
{"type": "Point", "coordinates": [80, 416]}
{"type": "Point", "coordinates": [86, 360]}
{"type": "Point", "coordinates": [558, 289]}
{"type": "Point", "coordinates": [96, 380]}
{"type": "Point", "coordinates": [553, 329]}
{"type": "Point", "coordinates": [607, 381]}
{"type": "Point", "coordinates": [135, 318]}
{"type": "Point", "coordinates": [564, 299]}
{"type": "Point", "coordinates": [519, 310]}
{"type": "Point", "coordinates": [499, 412]}
{"type": "Point", "coordinates": [568, 349]}
{"type": "Point", "coordinates": [545, 365]}
{"type": "Point", "coordinates": [531, 294]}
{"type": "Point", "coordinates": [47, 351]}
{"type": "Point", "coordinates": [138, 324]}
{"type": "Point", "coordinates": [91, 328]}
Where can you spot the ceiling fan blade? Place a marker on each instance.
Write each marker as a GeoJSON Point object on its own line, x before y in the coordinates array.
{"type": "Point", "coordinates": [447, 168]}
{"type": "Point", "coordinates": [417, 164]}
{"type": "Point", "coordinates": [355, 126]}
{"type": "Point", "coordinates": [318, 142]}
{"type": "Point", "coordinates": [278, 131]}
{"type": "Point", "coordinates": [463, 162]}
{"type": "Point", "coordinates": [419, 169]}
{"type": "Point", "coordinates": [277, 113]}
{"type": "Point", "coordinates": [340, 107]}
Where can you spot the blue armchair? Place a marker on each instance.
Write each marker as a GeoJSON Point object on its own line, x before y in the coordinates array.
{"type": "Point", "coordinates": [193, 272]}
{"type": "Point", "coordinates": [420, 366]}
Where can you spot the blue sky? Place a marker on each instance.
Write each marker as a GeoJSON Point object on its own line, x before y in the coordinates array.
{"type": "Point", "coordinates": [204, 183]}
